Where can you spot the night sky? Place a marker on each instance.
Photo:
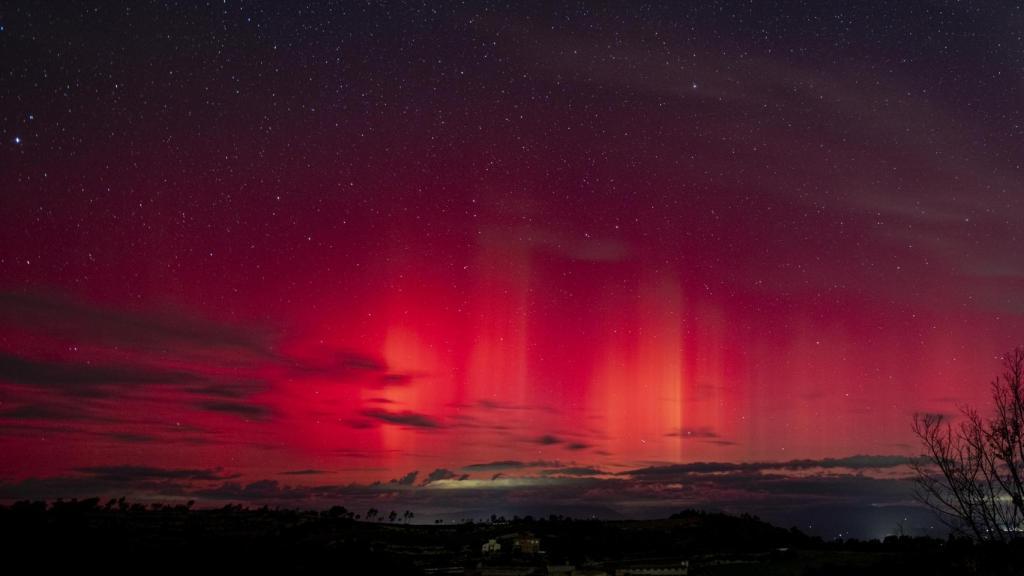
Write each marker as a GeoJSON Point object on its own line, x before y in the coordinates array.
{"type": "Point", "coordinates": [612, 259]}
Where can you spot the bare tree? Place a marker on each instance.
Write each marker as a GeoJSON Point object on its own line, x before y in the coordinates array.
{"type": "Point", "coordinates": [973, 473]}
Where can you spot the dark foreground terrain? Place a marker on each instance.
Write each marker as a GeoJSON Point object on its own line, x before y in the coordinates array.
{"type": "Point", "coordinates": [121, 537]}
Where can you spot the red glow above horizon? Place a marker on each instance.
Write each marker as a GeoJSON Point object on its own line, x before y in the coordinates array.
{"type": "Point", "coordinates": [513, 352]}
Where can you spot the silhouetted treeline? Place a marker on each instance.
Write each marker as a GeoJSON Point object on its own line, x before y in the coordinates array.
{"type": "Point", "coordinates": [117, 535]}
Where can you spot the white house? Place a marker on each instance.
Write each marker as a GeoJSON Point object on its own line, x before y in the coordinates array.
{"type": "Point", "coordinates": [491, 547]}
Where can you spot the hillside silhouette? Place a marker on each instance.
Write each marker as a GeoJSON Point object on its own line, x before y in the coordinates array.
{"type": "Point", "coordinates": [117, 535]}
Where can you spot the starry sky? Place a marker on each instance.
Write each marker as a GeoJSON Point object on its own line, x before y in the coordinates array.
{"type": "Point", "coordinates": [595, 258]}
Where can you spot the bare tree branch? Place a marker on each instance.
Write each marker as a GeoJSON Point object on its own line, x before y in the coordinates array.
{"type": "Point", "coordinates": [973, 473]}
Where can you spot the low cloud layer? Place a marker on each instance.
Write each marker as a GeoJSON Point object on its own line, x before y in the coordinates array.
{"type": "Point", "coordinates": [797, 491]}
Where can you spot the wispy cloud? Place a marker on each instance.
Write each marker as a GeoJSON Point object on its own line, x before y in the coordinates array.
{"type": "Point", "coordinates": [254, 411]}
{"type": "Point", "coordinates": [406, 418]}
{"type": "Point", "coordinates": [859, 462]}
{"type": "Point", "coordinates": [119, 474]}
{"type": "Point", "coordinates": [504, 465]}
{"type": "Point", "coordinates": [167, 330]}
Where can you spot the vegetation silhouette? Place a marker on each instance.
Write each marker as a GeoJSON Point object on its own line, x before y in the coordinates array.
{"type": "Point", "coordinates": [973, 475]}
{"type": "Point", "coordinates": [78, 534]}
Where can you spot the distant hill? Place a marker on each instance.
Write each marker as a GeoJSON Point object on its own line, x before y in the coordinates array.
{"type": "Point", "coordinates": [117, 535]}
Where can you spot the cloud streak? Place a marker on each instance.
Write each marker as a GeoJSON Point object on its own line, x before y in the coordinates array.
{"type": "Point", "coordinates": [858, 462]}
{"type": "Point", "coordinates": [407, 418]}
